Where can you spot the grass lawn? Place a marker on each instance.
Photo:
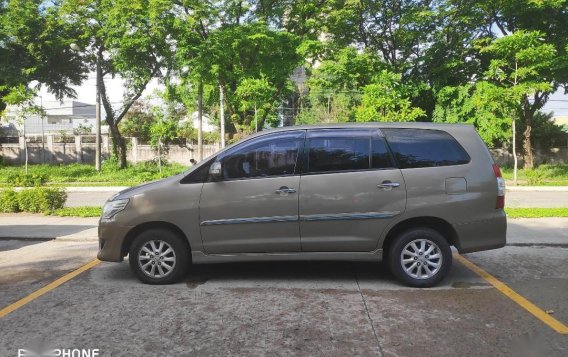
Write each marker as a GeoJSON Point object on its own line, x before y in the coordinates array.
{"type": "Point", "coordinates": [536, 212]}
{"type": "Point", "coordinates": [545, 175]}
{"type": "Point", "coordinates": [84, 211]}
{"type": "Point", "coordinates": [86, 175]}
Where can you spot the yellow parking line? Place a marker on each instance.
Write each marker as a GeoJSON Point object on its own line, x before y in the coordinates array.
{"type": "Point", "coordinates": [8, 309]}
{"type": "Point", "coordinates": [513, 295]}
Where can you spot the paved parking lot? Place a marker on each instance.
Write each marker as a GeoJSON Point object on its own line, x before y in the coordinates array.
{"type": "Point", "coordinates": [308, 308]}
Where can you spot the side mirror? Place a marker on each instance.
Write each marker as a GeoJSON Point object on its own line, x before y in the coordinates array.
{"type": "Point", "coordinates": [215, 169]}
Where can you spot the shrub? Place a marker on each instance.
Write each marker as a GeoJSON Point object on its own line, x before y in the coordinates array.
{"type": "Point", "coordinates": [8, 201]}
{"type": "Point", "coordinates": [27, 180]}
{"type": "Point", "coordinates": [535, 176]}
{"type": "Point", "coordinates": [38, 199]}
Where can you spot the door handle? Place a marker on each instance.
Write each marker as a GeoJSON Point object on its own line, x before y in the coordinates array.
{"type": "Point", "coordinates": [282, 191]}
{"type": "Point", "coordinates": [388, 185]}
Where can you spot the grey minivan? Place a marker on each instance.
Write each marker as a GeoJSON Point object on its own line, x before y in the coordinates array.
{"type": "Point", "coordinates": [404, 192]}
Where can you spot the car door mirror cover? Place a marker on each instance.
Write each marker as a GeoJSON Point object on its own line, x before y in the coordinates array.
{"type": "Point", "coordinates": [215, 170]}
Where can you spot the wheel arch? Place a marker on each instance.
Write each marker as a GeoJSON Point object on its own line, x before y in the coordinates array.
{"type": "Point", "coordinates": [135, 231]}
{"type": "Point", "coordinates": [438, 224]}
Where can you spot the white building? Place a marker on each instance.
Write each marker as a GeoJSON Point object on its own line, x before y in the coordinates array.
{"type": "Point", "coordinates": [60, 116]}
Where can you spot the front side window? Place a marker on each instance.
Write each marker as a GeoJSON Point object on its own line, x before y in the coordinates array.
{"type": "Point", "coordinates": [338, 150]}
{"type": "Point", "coordinates": [415, 148]}
{"type": "Point", "coordinates": [270, 155]}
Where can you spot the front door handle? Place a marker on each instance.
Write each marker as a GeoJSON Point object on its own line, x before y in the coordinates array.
{"type": "Point", "coordinates": [283, 191]}
{"type": "Point", "coordinates": [388, 185]}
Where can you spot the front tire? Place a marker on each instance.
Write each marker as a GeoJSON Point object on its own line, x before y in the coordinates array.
{"type": "Point", "coordinates": [158, 256]}
{"type": "Point", "coordinates": [420, 257]}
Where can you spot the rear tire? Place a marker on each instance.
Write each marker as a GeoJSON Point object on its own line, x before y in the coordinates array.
{"type": "Point", "coordinates": [420, 257]}
{"type": "Point", "coordinates": [159, 256]}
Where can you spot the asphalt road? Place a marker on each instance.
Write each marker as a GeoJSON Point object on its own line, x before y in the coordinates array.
{"type": "Point", "coordinates": [513, 199]}
{"type": "Point", "coordinates": [308, 308]}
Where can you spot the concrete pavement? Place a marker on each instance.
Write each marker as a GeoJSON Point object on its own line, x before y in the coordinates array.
{"type": "Point", "coordinates": [39, 227]}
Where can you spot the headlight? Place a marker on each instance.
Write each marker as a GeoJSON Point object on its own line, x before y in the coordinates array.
{"type": "Point", "coordinates": [111, 208]}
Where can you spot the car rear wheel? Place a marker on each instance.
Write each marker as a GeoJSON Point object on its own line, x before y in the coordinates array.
{"type": "Point", "coordinates": [158, 256]}
{"type": "Point", "coordinates": [420, 257]}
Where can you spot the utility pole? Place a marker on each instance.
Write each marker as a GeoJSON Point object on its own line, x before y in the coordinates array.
{"type": "Point", "coordinates": [222, 116]}
{"type": "Point", "coordinates": [200, 120]}
{"type": "Point", "coordinates": [42, 131]}
{"type": "Point", "coordinates": [98, 115]}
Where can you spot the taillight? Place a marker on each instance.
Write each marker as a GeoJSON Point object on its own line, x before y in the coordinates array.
{"type": "Point", "coordinates": [500, 187]}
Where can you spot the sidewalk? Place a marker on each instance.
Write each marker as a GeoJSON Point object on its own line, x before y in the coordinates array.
{"type": "Point", "coordinates": [521, 231]}
{"type": "Point", "coordinates": [40, 227]}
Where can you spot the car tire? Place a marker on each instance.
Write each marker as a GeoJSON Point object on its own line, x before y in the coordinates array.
{"type": "Point", "coordinates": [420, 257]}
{"type": "Point", "coordinates": [167, 266]}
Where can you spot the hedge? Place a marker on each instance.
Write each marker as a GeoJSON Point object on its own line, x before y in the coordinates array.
{"type": "Point", "coordinates": [32, 200]}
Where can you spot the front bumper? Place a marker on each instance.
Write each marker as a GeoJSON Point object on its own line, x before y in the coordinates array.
{"type": "Point", "coordinates": [111, 239]}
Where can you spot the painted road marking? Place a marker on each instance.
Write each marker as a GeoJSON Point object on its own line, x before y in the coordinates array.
{"type": "Point", "coordinates": [513, 295]}
{"type": "Point", "coordinates": [8, 309]}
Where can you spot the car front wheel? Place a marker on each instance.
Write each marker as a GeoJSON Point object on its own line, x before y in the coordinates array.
{"type": "Point", "coordinates": [420, 257]}
{"type": "Point", "coordinates": [158, 256]}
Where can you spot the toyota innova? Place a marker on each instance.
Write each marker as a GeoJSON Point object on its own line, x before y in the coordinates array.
{"type": "Point", "coordinates": [402, 192]}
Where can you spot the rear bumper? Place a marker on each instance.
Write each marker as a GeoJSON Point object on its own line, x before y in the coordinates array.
{"type": "Point", "coordinates": [484, 234]}
{"type": "Point", "coordinates": [111, 239]}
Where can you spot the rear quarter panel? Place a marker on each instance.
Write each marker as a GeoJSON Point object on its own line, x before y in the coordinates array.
{"type": "Point", "coordinates": [471, 213]}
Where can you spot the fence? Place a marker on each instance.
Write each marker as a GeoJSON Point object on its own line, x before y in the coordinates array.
{"type": "Point", "coordinates": [541, 156]}
{"type": "Point", "coordinates": [57, 149]}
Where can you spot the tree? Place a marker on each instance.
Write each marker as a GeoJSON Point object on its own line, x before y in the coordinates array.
{"type": "Point", "coordinates": [485, 105]}
{"type": "Point", "coordinates": [387, 99]}
{"type": "Point", "coordinates": [34, 46]}
{"type": "Point", "coordinates": [525, 64]}
{"type": "Point", "coordinates": [21, 97]}
{"type": "Point", "coordinates": [120, 38]}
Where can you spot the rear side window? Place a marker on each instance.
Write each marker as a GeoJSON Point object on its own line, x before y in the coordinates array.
{"type": "Point", "coordinates": [338, 150]}
{"type": "Point", "coordinates": [414, 148]}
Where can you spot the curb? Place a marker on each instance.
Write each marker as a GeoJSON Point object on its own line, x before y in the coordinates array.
{"type": "Point", "coordinates": [83, 189]}
{"type": "Point", "coordinates": [47, 239]}
{"type": "Point", "coordinates": [537, 188]}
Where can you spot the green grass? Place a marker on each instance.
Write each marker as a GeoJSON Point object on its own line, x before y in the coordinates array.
{"type": "Point", "coordinates": [544, 175]}
{"type": "Point", "coordinates": [536, 212]}
{"type": "Point", "coordinates": [86, 175]}
{"type": "Point", "coordinates": [84, 211]}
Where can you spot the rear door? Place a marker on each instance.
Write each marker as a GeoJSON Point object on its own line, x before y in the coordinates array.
{"type": "Point", "coordinates": [349, 192]}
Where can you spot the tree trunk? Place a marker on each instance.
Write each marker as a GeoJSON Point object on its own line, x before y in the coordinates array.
{"type": "Point", "coordinates": [118, 145]}
{"type": "Point", "coordinates": [529, 162]}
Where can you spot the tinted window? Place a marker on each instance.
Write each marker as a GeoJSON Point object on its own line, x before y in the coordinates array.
{"type": "Point", "coordinates": [425, 148]}
{"type": "Point", "coordinates": [198, 176]}
{"type": "Point", "coordinates": [381, 158]}
{"type": "Point", "coordinates": [338, 150]}
{"type": "Point", "coordinates": [274, 155]}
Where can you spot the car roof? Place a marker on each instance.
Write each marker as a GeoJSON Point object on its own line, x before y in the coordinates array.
{"type": "Point", "coordinates": [405, 125]}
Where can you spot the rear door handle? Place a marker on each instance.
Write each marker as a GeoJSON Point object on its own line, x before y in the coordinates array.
{"type": "Point", "coordinates": [388, 185]}
{"type": "Point", "coordinates": [283, 191]}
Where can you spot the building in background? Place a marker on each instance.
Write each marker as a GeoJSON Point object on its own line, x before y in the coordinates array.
{"type": "Point", "coordinates": [68, 116]}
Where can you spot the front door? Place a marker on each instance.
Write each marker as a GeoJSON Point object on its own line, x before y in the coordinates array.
{"type": "Point", "coordinates": [253, 207]}
{"type": "Point", "coordinates": [350, 192]}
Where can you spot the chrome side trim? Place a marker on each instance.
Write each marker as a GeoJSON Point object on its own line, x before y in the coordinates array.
{"type": "Point", "coordinates": [271, 219]}
{"type": "Point", "coordinates": [348, 216]}
{"type": "Point", "coordinates": [198, 257]}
